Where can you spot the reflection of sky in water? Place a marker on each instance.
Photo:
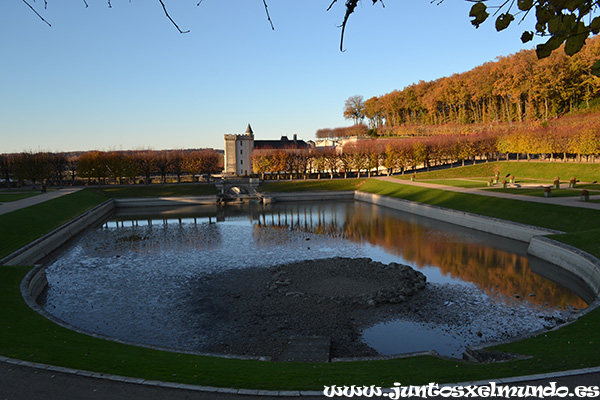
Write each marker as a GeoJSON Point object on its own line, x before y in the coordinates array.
{"type": "Point", "coordinates": [398, 337]}
{"type": "Point", "coordinates": [126, 279]}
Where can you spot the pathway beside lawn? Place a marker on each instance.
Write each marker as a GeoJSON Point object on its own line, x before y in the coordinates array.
{"type": "Point", "coordinates": [40, 198]}
{"type": "Point", "coordinates": [571, 201]}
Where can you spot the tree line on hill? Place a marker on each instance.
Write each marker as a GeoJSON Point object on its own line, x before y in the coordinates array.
{"type": "Point", "coordinates": [573, 138]}
{"type": "Point", "coordinates": [107, 166]}
{"type": "Point", "coordinates": [518, 87]}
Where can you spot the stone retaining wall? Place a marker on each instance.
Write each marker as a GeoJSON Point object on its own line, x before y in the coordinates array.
{"type": "Point", "coordinates": [575, 261]}
{"type": "Point", "coordinates": [40, 248]}
{"type": "Point", "coordinates": [307, 196]}
{"type": "Point", "coordinates": [569, 258]}
{"type": "Point", "coordinates": [496, 226]}
{"type": "Point", "coordinates": [166, 201]}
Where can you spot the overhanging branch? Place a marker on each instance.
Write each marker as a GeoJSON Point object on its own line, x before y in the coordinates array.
{"type": "Point", "coordinates": [171, 19]}
{"type": "Point", "coordinates": [36, 13]}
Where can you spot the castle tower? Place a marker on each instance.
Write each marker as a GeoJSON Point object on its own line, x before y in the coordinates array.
{"type": "Point", "coordinates": [238, 149]}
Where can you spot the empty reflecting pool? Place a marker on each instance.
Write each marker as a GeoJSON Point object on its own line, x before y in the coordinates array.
{"type": "Point", "coordinates": [181, 279]}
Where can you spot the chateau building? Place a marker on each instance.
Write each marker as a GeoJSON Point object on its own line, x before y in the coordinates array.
{"type": "Point", "coordinates": [239, 148]}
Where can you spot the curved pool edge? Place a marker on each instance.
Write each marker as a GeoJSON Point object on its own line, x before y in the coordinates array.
{"type": "Point", "coordinates": [35, 251]}
{"type": "Point", "coordinates": [576, 261]}
{"type": "Point", "coordinates": [35, 281]}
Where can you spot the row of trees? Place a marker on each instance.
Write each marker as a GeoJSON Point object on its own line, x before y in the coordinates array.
{"type": "Point", "coordinates": [356, 130]}
{"type": "Point", "coordinates": [515, 88]}
{"type": "Point", "coordinates": [368, 156]}
{"type": "Point", "coordinates": [36, 167]}
{"type": "Point", "coordinates": [399, 155]}
{"type": "Point", "coordinates": [108, 166]}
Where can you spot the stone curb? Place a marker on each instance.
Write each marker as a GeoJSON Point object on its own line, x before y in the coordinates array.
{"type": "Point", "coordinates": [276, 393]}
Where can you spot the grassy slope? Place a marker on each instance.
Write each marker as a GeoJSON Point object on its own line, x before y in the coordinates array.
{"type": "Point", "coordinates": [161, 190]}
{"type": "Point", "coordinates": [459, 183]}
{"type": "Point", "coordinates": [540, 192]}
{"type": "Point", "coordinates": [522, 169]}
{"type": "Point", "coordinates": [7, 197]}
{"type": "Point", "coordinates": [23, 226]}
{"type": "Point", "coordinates": [302, 185]}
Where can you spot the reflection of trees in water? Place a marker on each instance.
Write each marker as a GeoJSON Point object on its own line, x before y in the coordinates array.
{"type": "Point", "coordinates": [319, 222]}
{"type": "Point", "coordinates": [493, 270]}
{"type": "Point", "coordinates": [157, 235]}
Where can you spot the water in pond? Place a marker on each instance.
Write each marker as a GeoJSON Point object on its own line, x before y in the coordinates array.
{"type": "Point", "coordinates": [141, 278]}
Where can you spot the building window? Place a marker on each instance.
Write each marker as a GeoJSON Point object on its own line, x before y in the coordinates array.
{"type": "Point", "coordinates": [241, 151]}
{"type": "Point", "coordinates": [241, 161]}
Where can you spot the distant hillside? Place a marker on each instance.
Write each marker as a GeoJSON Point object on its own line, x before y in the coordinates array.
{"type": "Point", "coordinates": [518, 87]}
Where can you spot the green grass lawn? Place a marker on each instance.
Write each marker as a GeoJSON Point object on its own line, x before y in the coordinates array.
{"type": "Point", "coordinates": [310, 185]}
{"type": "Point", "coordinates": [464, 183]}
{"type": "Point", "coordinates": [197, 189]}
{"type": "Point", "coordinates": [540, 192]}
{"type": "Point", "coordinates": [545, 215]}
{"type": "Point", "coordinates": [26, 335]}
{"type": "Point", "coordinates": [23, 226]}
{"type": "Point", "coordinates": [8, 197]}
{"type": "Point", "coordinates": [544, 171]}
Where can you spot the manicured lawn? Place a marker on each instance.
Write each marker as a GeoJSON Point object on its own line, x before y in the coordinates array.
{"type": "Point", "coordinates": [546, 215]}
{"type": "Point", "coordinates": [540, 192]}
{"type": "Point", "coordinates": [197, 189]}
{"type": "Point", "coordinates": [7, 197]}
{"type": "Point", "coordinates": [25, 225]}
{"type": "Point", "coordinates": [589, 240]}
{"type": "Point", "coordinates": [544, 171]}
{"type": "Point", "coordinates": [464, 183]}
{"type": "Point", "coordinates": [310, 185]}
{"type": "Point", "coordinates": [589, 186]}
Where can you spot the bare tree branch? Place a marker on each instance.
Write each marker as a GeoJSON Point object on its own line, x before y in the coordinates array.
{"type": "Point", "coordinates": [36, 13]}
{"type": "Point", "coordinates": [268, 16]}
{"type": "Point", "coordinates": [350, 6]}
{"type": "Point", "coordinates": [171, 19]}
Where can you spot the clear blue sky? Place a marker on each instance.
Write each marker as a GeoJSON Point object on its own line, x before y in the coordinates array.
{"type": "Point", "coordinates": [124, 78]}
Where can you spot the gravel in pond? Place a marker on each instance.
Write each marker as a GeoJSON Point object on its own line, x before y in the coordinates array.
{"type": "Point", "coordinates": [254, 311]}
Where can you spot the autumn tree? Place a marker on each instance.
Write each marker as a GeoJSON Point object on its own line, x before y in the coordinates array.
{"type": "Point", "coordinates": [261, 162]}
{"type": "Point", "coordinates": [92, 164]}
{"type": "Point", "coordinates": [71, 167]}
{"type": "Point", "coordinates": [6, 168]}
{"type": "Point", "coordinates": [517, 88]}
{"type": "Point", "coordinates": [58, 166]}
{"type": "Point", "coordinates": [175, 163]}
{"type": "Point", "coordinates": [201, 162]}
{"type": "Point", "coordinates": [354, 109]}
{"type": "Point", "coordinates": [567, 21]}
